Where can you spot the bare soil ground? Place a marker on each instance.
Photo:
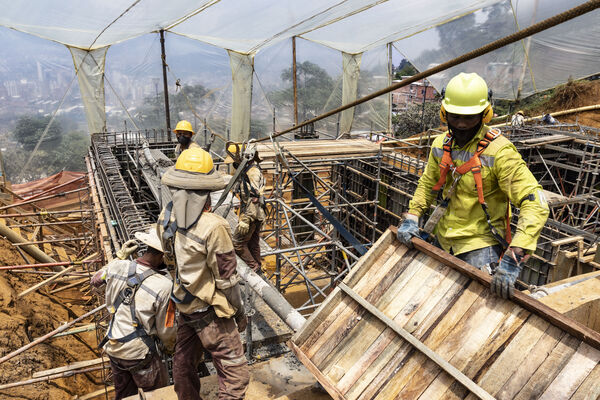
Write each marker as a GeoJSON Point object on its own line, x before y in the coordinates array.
{"type": "Point", "coordinates": [22, 320]}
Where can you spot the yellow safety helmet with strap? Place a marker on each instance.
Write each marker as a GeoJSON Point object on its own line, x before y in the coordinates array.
{"type": "Point", "coordinates": [194, 160]}
{"type": "Point", "coordinates": [467, 94]}
{"type": "Point", "coordinates": [184, 125]}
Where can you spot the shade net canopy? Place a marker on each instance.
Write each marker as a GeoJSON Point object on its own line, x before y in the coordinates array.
{"type": "Point", "coordinates": [344, 49]}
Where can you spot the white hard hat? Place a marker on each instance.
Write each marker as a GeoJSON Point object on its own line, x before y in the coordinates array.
{"type": "Point", "coordinates": [150, 238]}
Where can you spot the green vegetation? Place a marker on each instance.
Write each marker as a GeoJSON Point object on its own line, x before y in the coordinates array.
{"type": "Point", "coordinates": [151, 115]}
{"type": "Point", "coordinates": [405, 69]}
{"type": "Point", "coordinates": [59, 150]}
{"type": "Point", "coordinates": [314, 88]}
{"type": "Point", "coordinates": [408, 122]}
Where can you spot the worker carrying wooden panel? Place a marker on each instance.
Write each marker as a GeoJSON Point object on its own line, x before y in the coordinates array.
{"type": "Point", "coordinates": [475, 172]}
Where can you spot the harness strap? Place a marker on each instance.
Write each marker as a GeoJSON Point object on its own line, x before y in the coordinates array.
{"type": "Point", "coordinates": [473, 165]}
{"type": "Point", "coordinates": [127, 295]}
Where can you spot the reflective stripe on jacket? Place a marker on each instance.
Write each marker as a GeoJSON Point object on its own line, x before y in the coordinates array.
{"type": "Point", "coordinates": [504, 173]}
{"type": "Point", "coordinates": [151, 302]}
{"type": "Point", "coordinates": [206, 264]}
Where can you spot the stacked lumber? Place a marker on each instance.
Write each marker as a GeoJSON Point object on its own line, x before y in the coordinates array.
{"type": "Point", "coordinates": [315, 149]}
{"type": "Point", "coordinates": [421, 324]}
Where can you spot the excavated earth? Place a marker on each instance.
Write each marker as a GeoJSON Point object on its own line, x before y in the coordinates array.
{"type": "Point", "coordinates": [24, 319]}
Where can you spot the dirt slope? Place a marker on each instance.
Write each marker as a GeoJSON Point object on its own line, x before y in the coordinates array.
{"type": "Point", "coordinates": [25, 319]}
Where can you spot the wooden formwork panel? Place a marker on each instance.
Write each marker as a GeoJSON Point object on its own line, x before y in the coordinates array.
{"type": "Point", "coordinates": [510, 349]}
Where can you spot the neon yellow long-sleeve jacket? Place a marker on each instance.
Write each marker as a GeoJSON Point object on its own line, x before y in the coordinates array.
{"type": "Point", "coordinates": [505, 177]}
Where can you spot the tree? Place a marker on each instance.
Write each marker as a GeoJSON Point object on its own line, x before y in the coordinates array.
{"type": "Point", "coordinates": [314, 88]}
{"type": "Point", "coordinates": [408, 122]}
{"type": "Point", "coordinates": [29, 129]}
{"type": "Point", "coordinates": [405, 69]}
{"type": "Point", "coordinates": [58, 151]}
{"type": "Point", "coordinates": [151, 114]}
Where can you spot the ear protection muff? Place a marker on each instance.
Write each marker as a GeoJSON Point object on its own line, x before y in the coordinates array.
{"type": "Point", "coordinates": [443, 117]}
{"type": "Point", "coordinates": [487, 114]}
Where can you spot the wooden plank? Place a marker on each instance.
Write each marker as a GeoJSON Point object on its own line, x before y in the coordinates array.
{"type": "Point", "coordinates": [565, 323]}
{"type": "Point", "coordinates": [396, 302]}
{"type": "Point", "coordinates": [47, 281]}
{"type": "Point", "coordinates": [589, 389]}
{"type": "Point", "coordinates": [62, 253]}
{"type": "Point", "coordinates": [475, 354]}
{"type": "Point", "coordinates": [70, 367]}
{"type": "Point", "coordinates": [573, 374]}
{"type": "Point", "coordinates": [357, 364]}
{"type": "Point", "coordinates": [549, 369]}
{"type": "Point", "coordinates": [514, 354]}
{"type": "Point", "coordinates": [458, 375]}
{"type": "Point", "coordinates": [451, 317]}
{"type": "Point", "coordinates": [535, 357]}
{"type": "Point", "coordinates": [317, 322]}
{"type": "Point", "coordinates": [418, 325]}
{"type": "Point", "coordinates": [470, 332]}
{"type": "Point", "coordinates": [323, 380]}
{"type": "Point", "coordinates": [344, 321]}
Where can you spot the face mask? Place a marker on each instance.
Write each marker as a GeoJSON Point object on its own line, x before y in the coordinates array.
{"type": "Point", "coordinates": [184, 141]}
{"type": "Point", "coordinates": [463, 136]}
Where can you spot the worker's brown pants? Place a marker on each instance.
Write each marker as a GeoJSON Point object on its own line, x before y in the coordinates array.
{"type": "Point", "coordinates": [247, 246]}
{"type": "Point", "coordinates": [128, 379]}
{"type": "Point", "coordinates": [222, 340]}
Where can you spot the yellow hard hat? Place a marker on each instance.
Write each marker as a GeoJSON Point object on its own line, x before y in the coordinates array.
{"type": "Point", "coordinates": [236, 150]}
{"type": "Point", "coordinates": [194, 160]}
{"type": "Point", "coordinates": [184, 125]}
{"type": "Point", "coordinates": [466, 94]}
{"type": "Point", "coordinates": [520, 112]}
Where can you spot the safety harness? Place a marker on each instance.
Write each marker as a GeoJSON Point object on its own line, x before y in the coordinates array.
{"type": "Point", "coordinates": [127, 296]}
{"type": "Point", "coordinates": [473, 165]}
{"type": "Point", "coordinates": [169, 230]}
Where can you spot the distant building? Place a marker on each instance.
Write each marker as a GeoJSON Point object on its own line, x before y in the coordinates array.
{"type": "Point", "coordinates": [412, 93]}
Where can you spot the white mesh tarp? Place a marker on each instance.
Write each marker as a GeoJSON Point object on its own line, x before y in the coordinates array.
{"type": "Point", "coordinates": [202, 33]}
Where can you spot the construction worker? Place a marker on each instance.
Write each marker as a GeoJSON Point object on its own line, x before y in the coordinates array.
{"type": "Point", "coordinates": [206, 289]}
{"type": "Point", "coordinates": [246, 237]}
{"type": "Point", "coordinates": [185, 137]}
{"type": "Point", "coordinates": [474, 226]}
{"type": "Point", "coordinates": [518, 120]}
{"type": "Point", "coordinates": [137, 296]}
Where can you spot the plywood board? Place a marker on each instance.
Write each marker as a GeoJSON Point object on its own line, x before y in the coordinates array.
{"type": "Point", "coordinates": [468, 340]}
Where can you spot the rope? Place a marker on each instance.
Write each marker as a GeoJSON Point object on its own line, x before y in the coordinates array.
{"type": "Point", "coordinates": [533, 29]}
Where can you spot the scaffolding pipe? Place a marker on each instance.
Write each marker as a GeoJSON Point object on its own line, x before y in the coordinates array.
{"type": "Point", "coordinates": [50, 334]}
{"type": "Point", "coordinates": [272, 297]}
{"type": "Point", "coordinates": [26, 246]}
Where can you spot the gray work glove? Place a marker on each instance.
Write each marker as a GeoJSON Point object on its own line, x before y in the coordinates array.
{"type": "Point", "coordinates": [234, 296]}
{"type": "Point", "coordinates": [503, 281]}
{"type": "Point", "coordinates": [127, 249]}
{"type": "Point", "coordinates": [408, 229]}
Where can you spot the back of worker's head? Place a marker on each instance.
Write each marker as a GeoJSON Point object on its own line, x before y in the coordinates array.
{"type": "Point", "coordinates": [466, 106]}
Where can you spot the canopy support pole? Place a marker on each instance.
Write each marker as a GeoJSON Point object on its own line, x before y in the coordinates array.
{"type": "Point", "coordinates": [165, 85]}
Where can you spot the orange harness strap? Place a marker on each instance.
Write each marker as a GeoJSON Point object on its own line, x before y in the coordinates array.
{"type": "Point", "coordinates": [473, 165]}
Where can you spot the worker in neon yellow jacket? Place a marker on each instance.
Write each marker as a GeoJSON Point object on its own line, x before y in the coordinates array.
{"type": "Point", "coordinates": [474, 224]}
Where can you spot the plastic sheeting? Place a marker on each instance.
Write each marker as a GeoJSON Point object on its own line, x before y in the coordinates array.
{"type": "Point", "coordinates": [427, 32]}
{"type": "Point", "coordinates": [89, 66]}
{"type": "Point", "coordinates": [349, 89]}
{"type": "Point", "coordinates": [242, 70]}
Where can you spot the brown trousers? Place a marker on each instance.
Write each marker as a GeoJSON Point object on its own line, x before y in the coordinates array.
{"type": "Point", "coordinates": [128, 377]}
{"type": "Point", "coordinates": [247, 246]}
{"type": "Point", "coordinates": [222, 340]}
